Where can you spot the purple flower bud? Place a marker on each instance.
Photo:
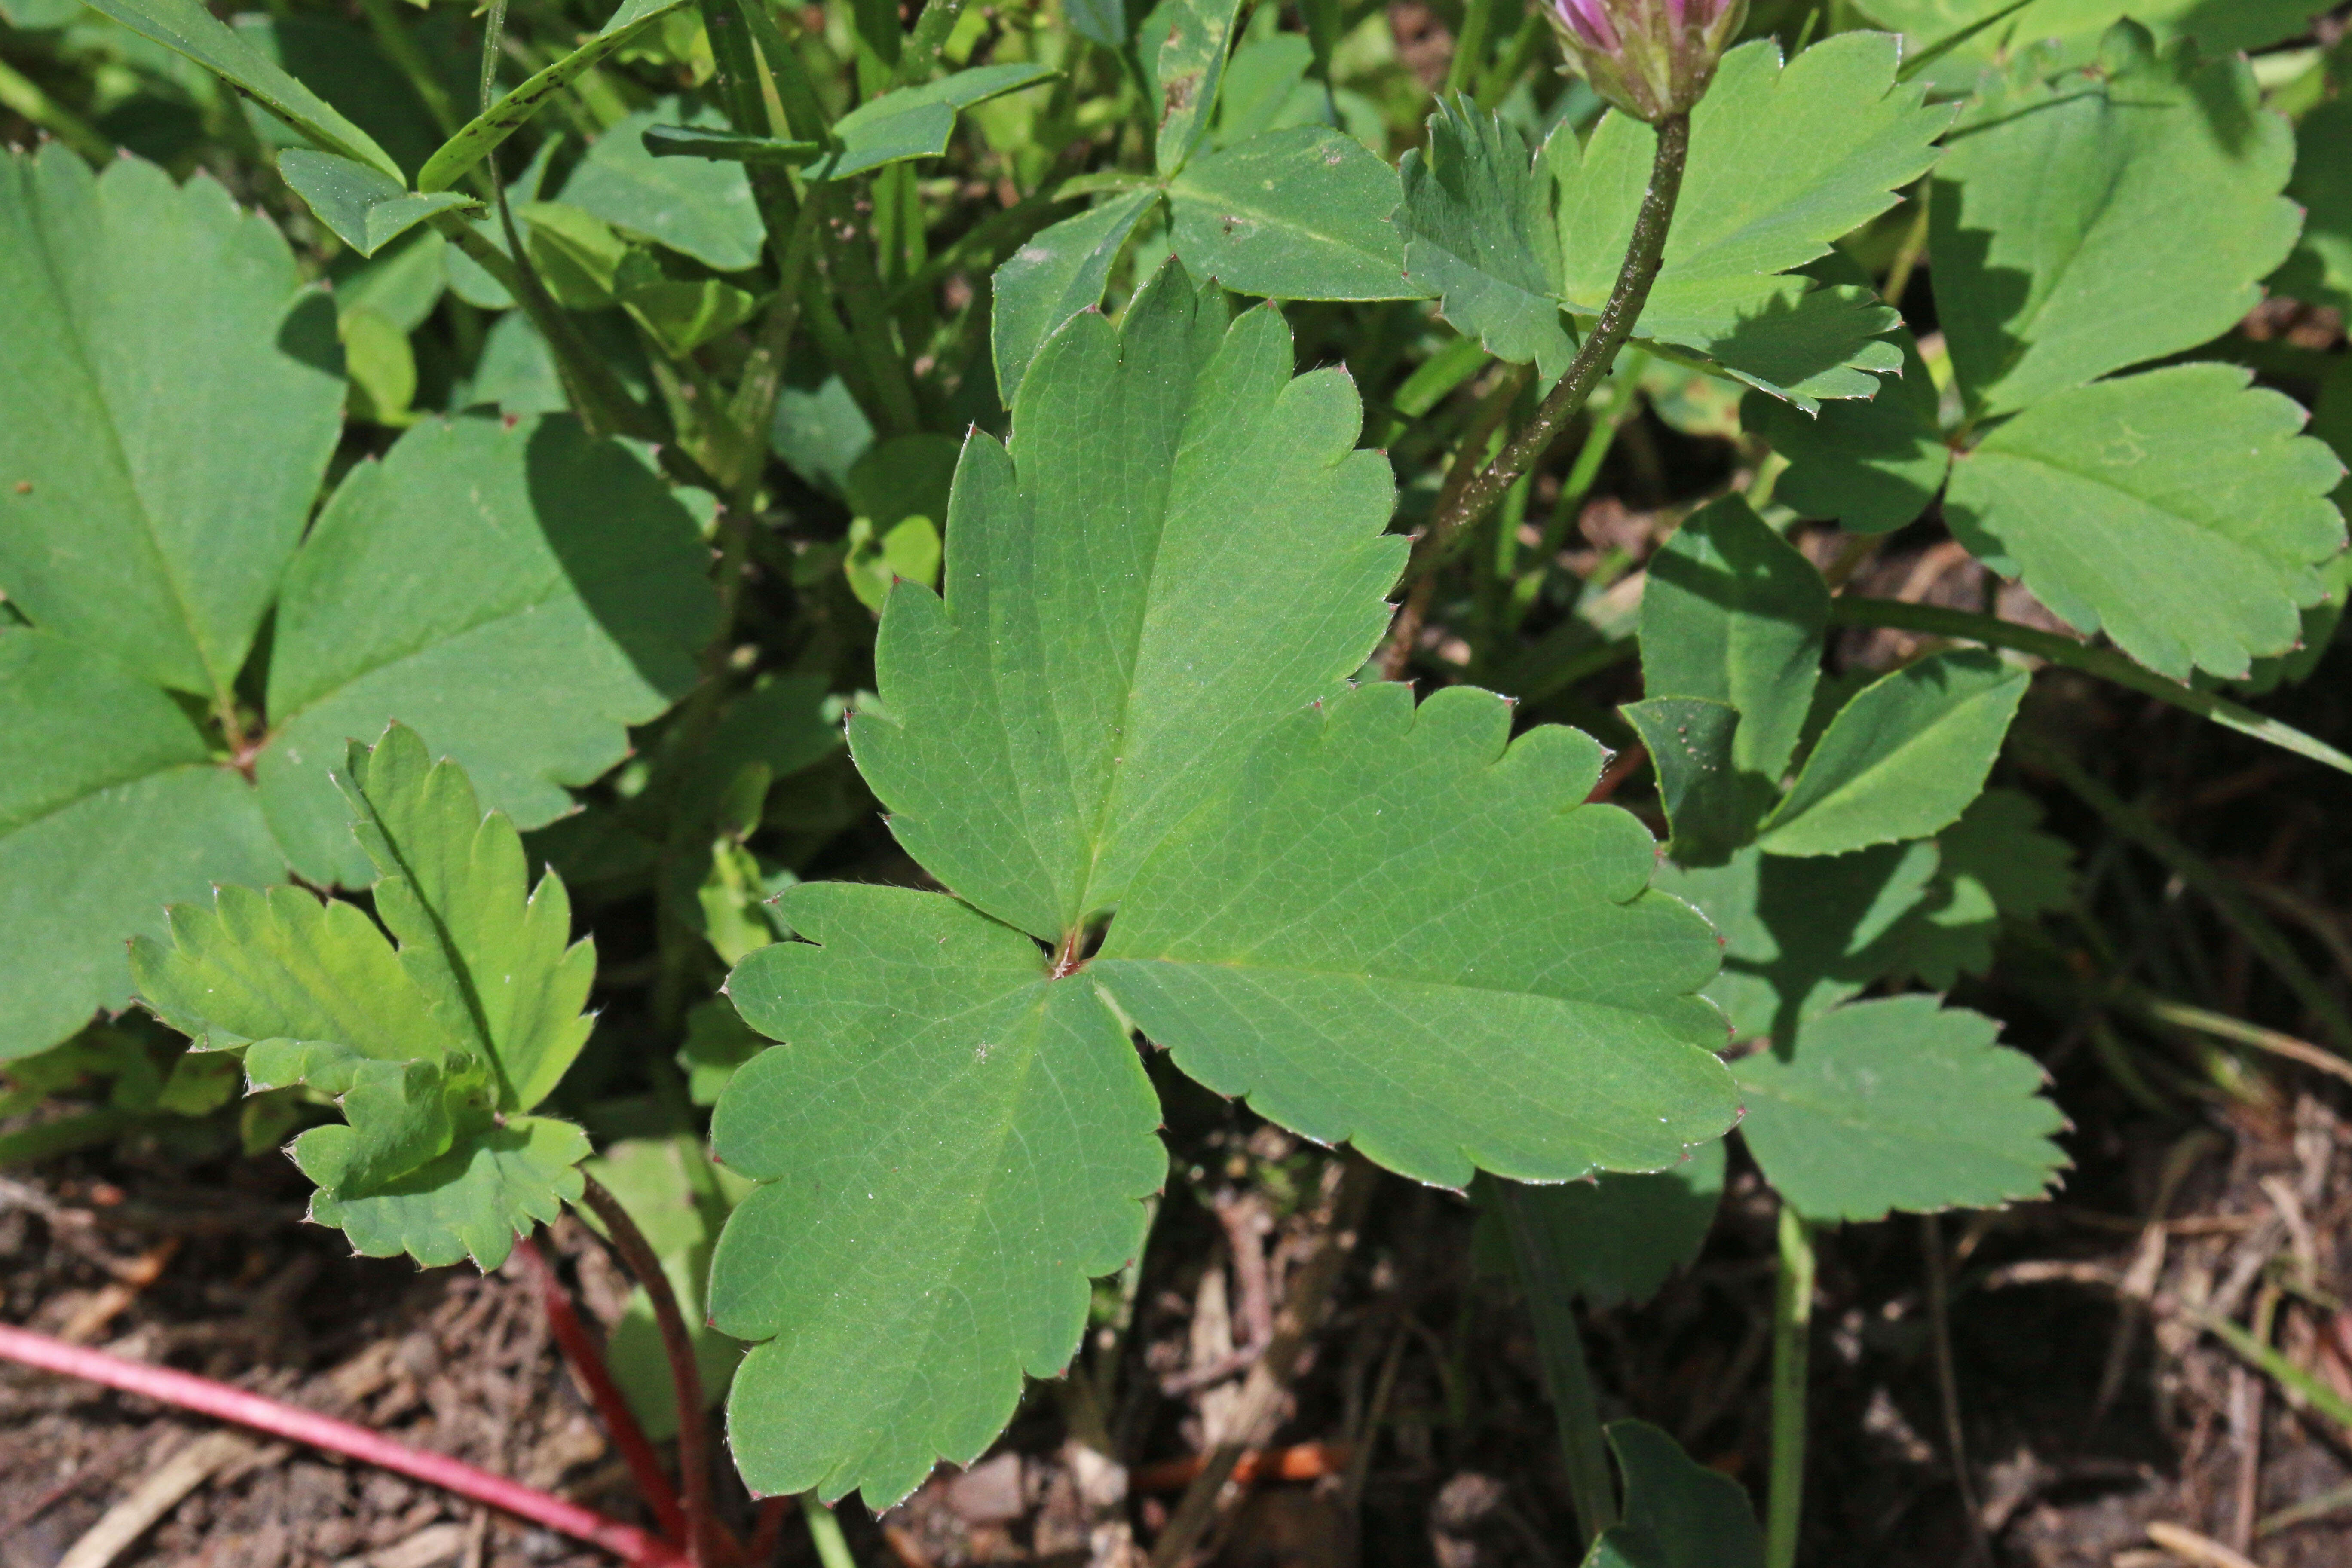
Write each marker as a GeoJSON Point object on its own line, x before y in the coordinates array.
{"type": "Point", "coordinates": [1649, 58]}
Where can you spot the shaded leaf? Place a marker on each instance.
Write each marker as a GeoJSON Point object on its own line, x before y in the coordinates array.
{"type": "Point", "coordinates": [916, 122]}
{"type": "Point", "coordinates": [1903, 759]}
{"type": "Point", "coordinates": [1871, 466]}
{"type": "Point", "coordinates": [1996, 864]}
{"type": "Point", "coordinates": [1899, 1104]}
{"type": "Point", "coordinates": [1619, 1236]}
{"type": "Point", "coordinates": [906, 1263]}
{"type": "Point", "coordinates": [1389, 916]}
{"type": "Point", "coordinates": [2320, 270]}
{"type": "Point", "coordinates": [1691, 743]}
{"type": "Point", "coordinates": [2105, 219]}
{"type": "Point", "coordinates": [1678, 1512]}
{"type": "Point", "coordinates": [705, 210]}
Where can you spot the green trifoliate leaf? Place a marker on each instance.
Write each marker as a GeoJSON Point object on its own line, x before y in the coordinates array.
{"type": "Point", "coordinates": [365, 208]}
{"type": "Point", "coordinates": [916, 122]}
{"type": "Point", "coordinates": [705, 210]}
{"type": "Point", "coordinates": [477, 560]}
{"type": "Point", "coordinates": [101, 824]}
{"type": "Point", "coordinates": [1297, 213]}
{"type": "Point", "coordinates": [1735, 613]}
{"type": "Point", "coordinates": [477, 136]}
{"type": "Point", "coordinates": [185, 27]}
{"type": "Point", "coordinates": [1801, 936]}
{"type": "Point", "coordinates": [1392, 930]}
{"type": "Point", "coordinates": [1693, 744]}
{"type": "Point", "coordinates": [1678, 1512]}
{"type": "Point", "coordinates": [1049, 721]}
{"type": "Point", "coordinates": [1619, 1236]}
{"type": "Point", "coordinates": [1058, 273]}
{"type": "Point", "coordinates": [433, 1050]}
{"type": "Point", "coordinates": [168, 399]}
{"type": "Point", "coordinates": [2180, 511]}
{"type": "Point", "coordinates": [1783, 161]}
{"type": "Point", "coordinates": [1997, 863]}
{"type": "Point", "coordinates": [2320, 270]}
{"type": "Point", "coordinates": [1188, 67]}
{"type": "Point", "coordinates": [951, 1141]}
{"type": "Point", "coordinates": [1903, 759]}
{"type": "Point", "coordinates": [2106, 219]}
{"type": "Point", "coordinates": [1899, 1104]}
{"type": "Point", "coordinates": [1478, 234]}
{"type": "Point", "coordinates": [1873, 467]}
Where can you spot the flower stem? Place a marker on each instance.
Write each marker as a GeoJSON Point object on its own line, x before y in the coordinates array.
{"type": "Point", "coordinates": [1474, 499]}
{"type": "Point", "coordinates": [278, 1420]}
{"type": "Point", "coordinates": [703, 1535]}
{"type": "Point", "coordinates": [1566, 1376]}
{"type": "Point", "coordinates": [1793, 1325]}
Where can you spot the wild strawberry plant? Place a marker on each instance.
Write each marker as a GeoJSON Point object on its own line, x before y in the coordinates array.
{"type": "Point", "coordinates": [412, 523]}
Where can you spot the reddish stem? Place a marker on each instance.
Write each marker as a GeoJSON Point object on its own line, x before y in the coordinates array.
{"type": "Point", "coordinates": [291, 1422]}
{"type": "Point", "coordinates": [587, 1359]}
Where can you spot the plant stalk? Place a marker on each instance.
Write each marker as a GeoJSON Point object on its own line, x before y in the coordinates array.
{"type": "Point", "coordinates": [1482, 494]}
{"type": "Point", "coordinates": [1792, 1324]}
{"type": "Point", "coordinates": [278, 1420]}
{"type": "Point", "coordinates": [1544, 1277]}
{"type": "Point", "coordinates": [825, 1533]}
{"type": "Point", "coordinates": [703, 1533]}
{"type": "Point", "coordinates": [587, 1358]}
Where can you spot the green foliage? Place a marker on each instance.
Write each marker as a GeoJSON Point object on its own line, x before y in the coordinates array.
{"type": "Point", "coordinates": [436, 1042]}
{"type": "Point", "coordinates": [1322, 897]}
{"type": "Point", "coordinates": [1678, 1512]}
{"type": "Point", "coordinates": [1619, 1236]}
{"type": "Point", "coordinates": [1900, 1103]}
{"type": "Point", "coordinates": [365, 208]}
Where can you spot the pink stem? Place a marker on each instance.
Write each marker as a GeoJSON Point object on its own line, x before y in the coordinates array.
{"type": "Point", "coordinates": [207, 1397]}
{"type": "Point", "coordinates": [580, 1350]}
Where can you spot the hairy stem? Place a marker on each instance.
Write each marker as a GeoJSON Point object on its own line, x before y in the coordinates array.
{"type": "Point", "coordinates": [586, 1358]}
{"type": "Point", "coordinates": [1792, 1326]}
{"type": "Point", "coordinates": [278, 1420]}
{"type": "Point", "coordinates": [702, 1531]}
{"type": "Point", "coordinates": [1544, 1277]}
{"type": "Point", "coordinates": [1643, 255]}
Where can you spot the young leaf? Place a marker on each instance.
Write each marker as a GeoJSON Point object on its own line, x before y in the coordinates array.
{"type": "Point", "coordinates": [1389, 915]}
{"type": "Point", "coordinates": [185, 27]}
{"type": "Point", "coordinates": [2106, 219]}
{"type": "Point", "coordinates": [101, 824]}
{"type": "Point", "coordinates": [1693, 748]}
{"type": "Point", "coordinates": [477, 560]}
{"type": "Point", "coordinates": [365, 208]}
{"type": "Point", "coordinates": [1678, 1512]}
{"type": "Point", "coordinates": [168, 399]}
{"type": "Point", "coordinates": [1620, 1236]}
{"type": "Point", "coordinates": [1903, 759]}
{"type": "Point", "coordinates": [1801, 936]}
{"type": "Point", "coordinates": [2320, 270]}
{"type": "Point", "coordinates": [1057, 714]}
{"type": "Point", "coordinates": [436, 1051]}
{"type": "Point", "coordinates": [705, 210]}
{"type": "Point", "coordinates": [1996, 863]}
{"type": "Point", "coordinates": [476, 138]}
{"type": "Point", "coordinates": [1296, 214]}
{"type": "Point", "coordinates": [1783, 161]}
{"type": "Point", "coordinates": [916, 122]}
{"type": "Point", "coordinates": [1873, 467]}
{"type": "Point", "coordinates": [1734, 614]}
{"type": "Point", "coordinates": [1188, 67]}
{"type": "Point", "coordinates": [1060, 273]}
{"type": "Point", "coordinates": [951, 1141]}
{"type": "Point", "coordinates": [1478, 234]}
{"type": "Point", "coordinates": [1899, 1104]}
{"type": "Point", "coordinates": [2180, 511]}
